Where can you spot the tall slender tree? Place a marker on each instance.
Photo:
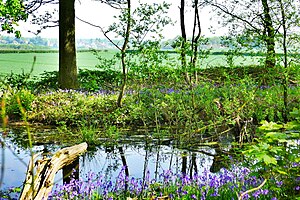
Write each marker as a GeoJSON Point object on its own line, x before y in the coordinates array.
{"type": "Point", "coordinates": [183, 42]}
{"type": "Point", "coordinates": [269, 34]}
{"type": "Point", "coordinates": [189, 47]}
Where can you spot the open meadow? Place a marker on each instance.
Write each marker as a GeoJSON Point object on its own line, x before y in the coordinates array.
{"type": "Point", "coordinates": [19, 62]}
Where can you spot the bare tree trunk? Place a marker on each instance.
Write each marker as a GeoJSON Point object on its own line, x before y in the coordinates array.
{"type": "Point", "coordinates": [195, 40]}
{"type": "Point", "coordinates": [67, 78]}
{"type": "Point", "coordinates": [270, 36]}
{"type": "Point", "coordinates": [123, 55]}
{"type": "Point", "coordinates": [285, 61]}
{"type": "Point", "coordinates": [40, 173]}
{"type": "Point", "coordinates": [183, 43]}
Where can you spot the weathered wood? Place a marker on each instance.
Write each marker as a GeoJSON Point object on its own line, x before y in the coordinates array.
{"type": "Point", "coordinates": [40, 173]}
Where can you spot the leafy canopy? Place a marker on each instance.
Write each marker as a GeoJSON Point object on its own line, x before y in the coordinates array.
{"type": "Point", "coordinates": [12, 11]}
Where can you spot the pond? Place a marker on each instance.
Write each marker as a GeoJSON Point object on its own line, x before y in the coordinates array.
{"type": "Point", "coordinates": [140, 155]}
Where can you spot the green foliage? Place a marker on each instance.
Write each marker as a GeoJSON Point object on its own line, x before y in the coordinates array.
{"type": "Point", "coordinates": [89, 135]}
{"type": "Point", "coordinates": [21, 99]}
{"type": "Point", "coordinates": [73, 108]}
{"type": "Point", "coordinates": [12, 11]}
{"type": "Point", "coordinates": [149, 64]}
{"type": "Point", "coordinates": [46, 81]}
{"type": "Point", "coordinates": [95, 80]}
{"type": "Point", "coordinates": [275, 153]}
{"type": "Point", "coordinates": [16, 81]}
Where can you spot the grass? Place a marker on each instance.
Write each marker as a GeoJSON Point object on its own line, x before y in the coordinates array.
{"type": "Point", "coordinates": [19, 62]}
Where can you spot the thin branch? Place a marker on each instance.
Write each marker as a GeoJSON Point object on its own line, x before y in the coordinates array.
{"type": "Point", "coordinates": [226, 11]}
{"type": "Point", "coordinates": [102, 30]}
{"type": "Point", "coordinates": [252, 190]}
{"type": "Point", "coordinates": [116, 4]}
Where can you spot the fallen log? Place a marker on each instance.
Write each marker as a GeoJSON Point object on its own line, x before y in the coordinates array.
{"type": "Point", "coordinates": [40, 173]}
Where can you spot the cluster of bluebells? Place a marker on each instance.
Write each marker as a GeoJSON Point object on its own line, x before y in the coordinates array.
{"type": "Point", "coordinates": [206, 185]}
{"type": "Point", "coordinates": [82, 92]}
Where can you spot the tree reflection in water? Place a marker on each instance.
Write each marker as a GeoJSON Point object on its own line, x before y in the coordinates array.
{"type": "Point", "coordinates": [143, 160]}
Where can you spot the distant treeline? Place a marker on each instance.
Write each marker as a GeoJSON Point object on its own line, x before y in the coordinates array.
{"type": "Point", "coordinates": [2, 51]}
{"type": "Point", "coordinates": [41, 50]}
{"type": "Point", "coordinates": [225, 52]}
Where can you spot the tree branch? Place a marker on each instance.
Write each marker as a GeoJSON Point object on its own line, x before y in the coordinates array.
{"type": "Point", "coordinates": [226, 11]}
{"type": "Point", "coordinates": [102, 30]}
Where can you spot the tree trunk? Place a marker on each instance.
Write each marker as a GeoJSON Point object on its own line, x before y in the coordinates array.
{"type": "Point", "coordinates": [123, 55]}
{"type": "Point", "coordinates": [183, 43]}
{"type": "Point", "coordinates": [67, 78]}
{"type": "Point", "coordinates": [285, 61]}
{"type": "Point", "coordinates": [269, 36]}
{"type": "Point", "coordinates": [195, 40]}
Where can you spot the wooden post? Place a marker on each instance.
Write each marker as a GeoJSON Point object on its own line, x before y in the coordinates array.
{"type": "Point", "coordinates": [40, 176]}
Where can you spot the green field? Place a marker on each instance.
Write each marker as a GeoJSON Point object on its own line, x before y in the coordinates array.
{"type": "Point", "coordinates": [17, 62]}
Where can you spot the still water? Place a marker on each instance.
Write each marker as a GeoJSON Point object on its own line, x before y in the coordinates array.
{"type": "Point", "coordinates": [138, 154]}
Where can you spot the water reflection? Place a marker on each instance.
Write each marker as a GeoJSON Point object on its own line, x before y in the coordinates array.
{"type": "Point", "coordinates": [140, 156]}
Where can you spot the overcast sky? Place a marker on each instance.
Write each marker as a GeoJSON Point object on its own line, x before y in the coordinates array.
{"type": "Point", "coordinates": [102, 15]}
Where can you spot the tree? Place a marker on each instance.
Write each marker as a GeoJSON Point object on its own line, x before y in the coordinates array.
{"type": "Point", "coordinates": [190, 47]}
{"type": "Point", "coordinates": [133, 27]}
{"type": "Point", "coordinates": [183, 40]}
{"type": "Point", "coordinates": [12, 11]}
{"type": "Point", "coordinates": [271, 22]}
{"type": "Point", "coordinates": [67, 77]}
{"type": "Point", "coordinates": [288, 23]}
{"type": "Point", "coordinates": [250, 20]}
{"type": "Point", "coordinates": [268, 34]}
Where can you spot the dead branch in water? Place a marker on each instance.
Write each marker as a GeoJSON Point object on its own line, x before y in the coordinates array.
{"type": "Point", "coordinates": [40, 176]}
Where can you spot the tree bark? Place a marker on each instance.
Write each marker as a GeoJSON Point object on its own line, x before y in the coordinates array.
{"type": "Point", "coordinates": [67, 49]}
{"type": "Point", "coordinates": [285, 61]}
{"type": "Point", "coordinates": [269, 36]}
{"type": "Point", "coordinates": [195, 40]}
{"type": "Point", "coordinates": [123, 55]}
{"type": "Point", "coordinates": [183, 42]}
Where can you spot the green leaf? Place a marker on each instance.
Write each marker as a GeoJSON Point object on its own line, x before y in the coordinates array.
{"type": "Point", "coordinates": [292, 125]}
{"type": "Point", "coordinates": [263, 146]}
{"type": "Point", "coordinates": [282, 172]}
{"type": "Point", "coordinates": [276, 135]}
{"type": "Point", "coordinates": [270, 126]}
{"type": "Point", "coordinates": [295, 113]}
{"type": "Point", "coordinates": [269, 160]}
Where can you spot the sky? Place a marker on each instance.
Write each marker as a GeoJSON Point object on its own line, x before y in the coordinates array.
{"type": "Point", "coordinates": [103, 15]}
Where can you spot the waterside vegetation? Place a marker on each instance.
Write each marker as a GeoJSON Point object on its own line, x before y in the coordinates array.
{"type": "Point", "coordinates": [251, 99]}
{"type": "Point", "coordinates": [226, 101]}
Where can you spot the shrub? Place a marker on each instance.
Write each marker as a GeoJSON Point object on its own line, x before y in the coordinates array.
{"type": "Point", "coordinates": [18, 100]}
